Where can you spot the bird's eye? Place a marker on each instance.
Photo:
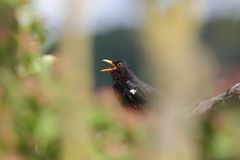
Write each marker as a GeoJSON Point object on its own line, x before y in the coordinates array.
{"type": "Point", "coordinates": [119, 64]}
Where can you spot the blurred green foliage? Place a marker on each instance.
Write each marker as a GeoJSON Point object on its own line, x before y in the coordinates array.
{"type": "Point", "coordinates": [28, 118]}
{"type": "Point", "coordinates": [31, 99]}
{"type": "Point", "coordinates": [8, 33]}
{"type": "Point", "coordinates": [221, 133]}
{"type": "Point", "coordinates": [223, 36]}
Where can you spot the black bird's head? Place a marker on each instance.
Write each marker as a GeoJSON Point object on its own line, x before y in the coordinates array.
{"type": "Point", "coordinates": [119, 70]}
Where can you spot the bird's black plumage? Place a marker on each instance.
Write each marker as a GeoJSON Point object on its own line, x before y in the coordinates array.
{"type": "Point", "coordinates": [132, 91]}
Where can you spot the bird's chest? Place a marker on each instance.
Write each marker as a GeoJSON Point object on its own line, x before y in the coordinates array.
{"type": "Point", "coordinates": [129, 94]}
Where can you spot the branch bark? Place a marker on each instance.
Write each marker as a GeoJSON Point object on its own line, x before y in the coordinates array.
{"type": "Point", "coordinates": [211, 103]}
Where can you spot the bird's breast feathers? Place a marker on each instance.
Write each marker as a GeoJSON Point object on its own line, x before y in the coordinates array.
{"type": "Point", "coordinates": [133, 91]}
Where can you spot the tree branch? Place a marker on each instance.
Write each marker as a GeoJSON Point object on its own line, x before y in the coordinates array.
{"type": "Point", "coordinates": [208, 104]}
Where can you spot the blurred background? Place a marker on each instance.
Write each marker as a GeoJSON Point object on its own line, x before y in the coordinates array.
{"type": "Point", "coordinates": [64, 108]}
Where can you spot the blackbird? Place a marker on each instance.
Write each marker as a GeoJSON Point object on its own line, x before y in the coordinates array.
{"type": "Point", "coordinates": [131, 91]}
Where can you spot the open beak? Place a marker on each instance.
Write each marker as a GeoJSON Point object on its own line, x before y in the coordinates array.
{"type": "Point", "coordinates": [114, 67]}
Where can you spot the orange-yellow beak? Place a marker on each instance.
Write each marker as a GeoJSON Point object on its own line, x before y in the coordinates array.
{"type": "Point", "coordinates": [114, 67]}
